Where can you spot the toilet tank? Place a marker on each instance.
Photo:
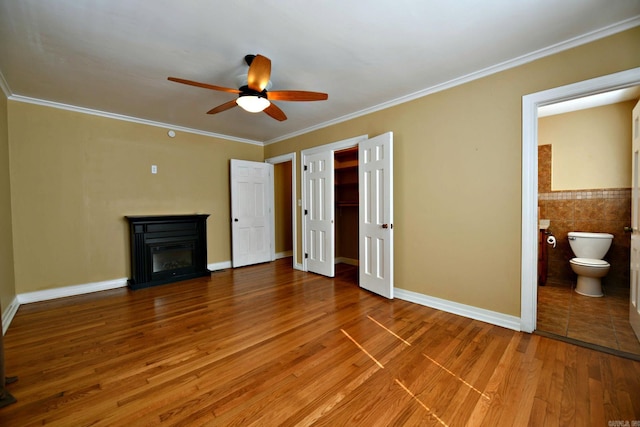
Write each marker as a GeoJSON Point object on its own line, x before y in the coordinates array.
{"type": "Point", "coordinates": [589, 245]}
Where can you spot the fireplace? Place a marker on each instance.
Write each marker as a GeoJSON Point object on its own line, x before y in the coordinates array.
{"type": "Point", "coordinates": [167, 248]}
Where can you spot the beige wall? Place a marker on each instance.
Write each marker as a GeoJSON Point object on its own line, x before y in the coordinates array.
{"type": "Point", "coordinates": [7, 283]}
{"type": "Point", "coordinates": [591, 148]}
{"type": "Point", "coordinates": [457, 161]}
{"type": "Point", "coordinates": [75, 176]}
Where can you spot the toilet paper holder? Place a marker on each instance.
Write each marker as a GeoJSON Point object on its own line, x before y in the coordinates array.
{"type": "Point", "coordinates": [551, 239]}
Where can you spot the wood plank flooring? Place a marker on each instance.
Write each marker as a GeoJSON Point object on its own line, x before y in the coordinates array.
{"type": "Point", "coordinates": [267, 345]}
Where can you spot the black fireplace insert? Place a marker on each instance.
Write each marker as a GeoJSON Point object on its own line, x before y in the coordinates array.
{"type": "Point", "coordinates": [167, 248]}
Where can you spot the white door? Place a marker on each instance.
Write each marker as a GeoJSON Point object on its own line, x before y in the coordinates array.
{"type": "Point", "coordinates": [375, 175]}
{"type": "Point", "coordinates": [318, 213]}
{"type": "Point", "coordinates": [251, 195]}
{"type": "Point", "coordinates": [634, 300]}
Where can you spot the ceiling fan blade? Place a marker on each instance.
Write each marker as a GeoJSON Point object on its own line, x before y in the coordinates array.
{"type": "Point", "coordinates": [259, 73]}
{"type": "Point", "coordinates": [275, 112]}
{"type": "Point", "coordinates": [203, 85]}
{"type": "Point", "coordinates": [223, 107]}
{"type": "Point", "coordinates": [296, 95]}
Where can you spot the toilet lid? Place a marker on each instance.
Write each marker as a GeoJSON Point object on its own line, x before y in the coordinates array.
{"type": "Point", "coordinates": [589, 262]}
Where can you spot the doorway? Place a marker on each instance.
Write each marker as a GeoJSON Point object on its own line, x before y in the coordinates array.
{"type": "Point", "coordinates": [375, 210]}
{"type": "Point", "coordinates": [346, 205]}
{"type": "Point", "coordinates": [319, 211]}
{"type": "Point", "coordinates": [530, 105]}
{"type": "Point", "coordinates": [285, 187]}
{"type": "Point", "coordinates": [584, 176]}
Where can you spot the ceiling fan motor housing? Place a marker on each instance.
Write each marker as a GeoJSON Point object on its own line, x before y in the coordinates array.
{"type": "Point", "coordinates": [246, 91]}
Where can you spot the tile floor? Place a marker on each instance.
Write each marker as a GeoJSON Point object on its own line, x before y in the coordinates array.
{"type": "Point", "coordinates": [600, 321]}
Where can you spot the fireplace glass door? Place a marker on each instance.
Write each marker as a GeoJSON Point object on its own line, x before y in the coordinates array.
{"type": "Point", "coordinates": [173, 259]}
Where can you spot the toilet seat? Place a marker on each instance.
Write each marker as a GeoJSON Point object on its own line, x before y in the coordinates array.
{"type": "Point", "coordinates": [589, 262]}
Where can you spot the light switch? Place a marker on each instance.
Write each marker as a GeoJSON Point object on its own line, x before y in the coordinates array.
{"type": "Point", "coordinates": [154, 169]}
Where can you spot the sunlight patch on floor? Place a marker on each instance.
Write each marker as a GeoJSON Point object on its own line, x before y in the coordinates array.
{"type": "Point", "coordinates": [420, 402]}
{"type": "Point", "coordinates": [388, 330]}
{"type": "Point", "coordinates": [362, 348]}
{"type": "Point", "coordinates": [457, 377]}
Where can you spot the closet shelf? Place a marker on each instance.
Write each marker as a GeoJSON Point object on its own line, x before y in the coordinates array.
{"type": "Point", "coordinates": [346, 203]}
{"type": "Point", "coordinates": [346, 166]}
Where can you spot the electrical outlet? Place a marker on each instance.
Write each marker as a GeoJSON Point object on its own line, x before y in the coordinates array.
{"type": "Point", "coordinates": [154, 169]}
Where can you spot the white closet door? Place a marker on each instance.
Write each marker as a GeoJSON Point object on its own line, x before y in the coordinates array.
{"type": "Point", "coordinates": [318, 213]}
{"type": "Point", "coordinates": [251, 200]}
{"type": "Point", "coordinates": [375, 175]}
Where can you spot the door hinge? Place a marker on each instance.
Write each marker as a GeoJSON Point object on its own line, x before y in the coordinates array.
{"type": "Point", "coordinates": [306, 212]}
{"type": "Point", "coordinates": [306, 256]}
{"type": "Point", "coordinates": [305, 167]}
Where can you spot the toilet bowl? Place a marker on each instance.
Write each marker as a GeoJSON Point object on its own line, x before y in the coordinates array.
{"type": "Point", "coordinates": [588, 264]}
{"type": "Point", "coordinates": [590, 272]}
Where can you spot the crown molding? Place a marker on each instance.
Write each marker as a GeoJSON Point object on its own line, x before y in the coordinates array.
{"type": "Point", "coordinates": [503, 66]}
{"type": "Point", "coordinates": [521, 60]}
{"type": "Point", "coordinates": [122, 117]}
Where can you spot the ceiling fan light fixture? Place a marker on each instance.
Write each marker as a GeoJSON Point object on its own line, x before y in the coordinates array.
{"type": "Point", "coordinates": [252, 103]}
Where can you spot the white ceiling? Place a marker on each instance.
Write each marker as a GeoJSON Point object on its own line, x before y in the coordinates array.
{"type": "Point", "coordinates": [114, 56]}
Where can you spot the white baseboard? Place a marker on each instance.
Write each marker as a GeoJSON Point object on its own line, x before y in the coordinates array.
{"type": "Point", "coordinates": [297, 266]}
{"type": "Point", "coordinates": [9, 313]}
{"type": "Point", "coordinates": [219, 265]}
{"type": "Point", "coordinates": [68, 291]}
{"type": "Point", "coordinates": [488, 316]}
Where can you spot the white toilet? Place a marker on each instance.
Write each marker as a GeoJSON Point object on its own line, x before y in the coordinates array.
{"type": "Point", "coordinates": [589, 249]}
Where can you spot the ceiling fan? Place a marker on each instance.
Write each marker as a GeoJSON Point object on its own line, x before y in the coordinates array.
{"type": "Point", "coordinates": [254, 96]}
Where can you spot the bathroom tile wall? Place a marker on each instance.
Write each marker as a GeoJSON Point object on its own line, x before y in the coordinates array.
{"type": "Point", "coordinates": [594, 210]}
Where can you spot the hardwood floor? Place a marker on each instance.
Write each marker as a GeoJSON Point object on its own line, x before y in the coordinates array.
{"type": "Point", "coordinates": [267, 345]}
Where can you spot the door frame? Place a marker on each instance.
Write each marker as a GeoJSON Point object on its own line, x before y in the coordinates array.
{"type": "Point", "coordinates": [289, 157]}
{"type": "Point", "coordinates": [334, 146]}
{"type": "Point", "coordinates": [530, 104]}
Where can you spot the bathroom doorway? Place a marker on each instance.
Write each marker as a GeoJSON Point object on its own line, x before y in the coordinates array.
{"type": "Point", "coordinates": [585, 150]}
{"type": "Point", "coordinates": [531, 103]}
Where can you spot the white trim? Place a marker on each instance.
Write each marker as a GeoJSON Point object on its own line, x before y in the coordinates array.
{"type": "Point", "coordinates": [334, 146]}
{"type": "Point", "coordinates": [9, 313]}
{"type": "Point", "coordinates": [289, 157]}
{"type": "Point", "coordinates": [506, 65]}
{"type": "Point", "coordinates": [219, 266]}
{"type": "Point", "coordinates": [68, 291]}
{"type": "Point", "coordinates": [4, 86]}
{"type": "Point", "coordinates": [348, 261]}
{"type": "Point", "coordinates": [122, 117]}
{"type": "Point", "coordinates": [298, 266]}
{"type": "Point", "coordinates": [530, 104]}
{"type": "Point", "coordinates": [471, 312]}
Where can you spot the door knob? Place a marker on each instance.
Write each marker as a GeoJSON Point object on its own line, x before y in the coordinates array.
{"type": "Point", "coordinates": [628, 229]}
{"type": "Point", "coordinates": [235, 220]}
{"type": "Point", "coordinates": [385, 225]}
